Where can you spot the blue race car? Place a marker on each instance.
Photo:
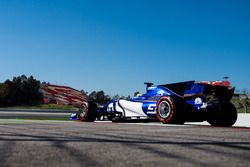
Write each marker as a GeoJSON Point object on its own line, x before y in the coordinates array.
{"type": "Point", "coordinates": [175, 103]}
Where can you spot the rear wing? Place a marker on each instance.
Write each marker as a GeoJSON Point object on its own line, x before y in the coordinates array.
{"type": "Point", "coordinates": [218, 89]}
{"type": "Point", "coordinates": [216, 83]}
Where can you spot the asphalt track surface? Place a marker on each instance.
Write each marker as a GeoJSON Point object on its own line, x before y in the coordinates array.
{"type": "Point", "coordinates": [72, 143]}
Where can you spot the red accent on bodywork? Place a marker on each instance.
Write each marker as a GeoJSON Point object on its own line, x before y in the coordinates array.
{"type": "Point", "coordinates": [216, 83]}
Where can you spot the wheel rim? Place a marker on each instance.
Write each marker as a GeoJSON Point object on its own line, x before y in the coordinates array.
{"type": "Point", "coordinates": [164, 109]}
{"type": "Point", "coordinates": [82, 112]}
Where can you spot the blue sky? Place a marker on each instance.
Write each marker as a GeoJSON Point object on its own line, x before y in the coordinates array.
{"type": "Point", "coordinates": [115, 45]}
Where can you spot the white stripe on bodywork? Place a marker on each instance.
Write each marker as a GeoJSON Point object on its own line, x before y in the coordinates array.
{"type": "Point", "coordinates": [111, 108]}
{"type": "Point", "coordinates": [132, 109]}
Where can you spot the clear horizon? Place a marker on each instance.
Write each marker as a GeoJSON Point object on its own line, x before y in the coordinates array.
{"type": "Point", "coordinates": [115, 46]}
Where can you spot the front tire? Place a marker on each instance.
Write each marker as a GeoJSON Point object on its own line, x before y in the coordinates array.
{"type": "Point", "coordinates": [226, 116]}
{"type": "Point", "coordinates": [87, 113]}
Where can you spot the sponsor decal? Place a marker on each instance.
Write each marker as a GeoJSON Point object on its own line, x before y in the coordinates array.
{"type": "Point", "coordinates": [151, 109]}
{"type": "Point", "coordinates": [198, 100]}
{"type": "Point", "coordinates": [161, 92]}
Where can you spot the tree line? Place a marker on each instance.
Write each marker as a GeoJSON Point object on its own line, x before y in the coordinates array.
{"type": "Point", "coordinates": [101, 98]}
{"type": "Point", "coordinates": [20, 90]}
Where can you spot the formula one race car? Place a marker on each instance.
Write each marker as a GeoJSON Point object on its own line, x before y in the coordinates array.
{"type": "Point", "coordinates": [172, 103]}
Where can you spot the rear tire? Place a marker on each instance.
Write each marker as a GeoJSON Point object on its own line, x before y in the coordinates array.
{"type": "Point", "coordinates": [226, 116]}
{"type": "Point", "coordinates": [87, 113]}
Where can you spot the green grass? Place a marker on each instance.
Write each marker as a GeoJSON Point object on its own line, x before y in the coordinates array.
{"type": "Point", "coordinates": [45, 106]}
{"type": "Point", "coordinates": [239, 104]}
{"type": "Point", "coordinates": [30, 120]}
